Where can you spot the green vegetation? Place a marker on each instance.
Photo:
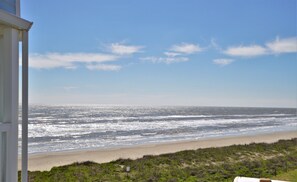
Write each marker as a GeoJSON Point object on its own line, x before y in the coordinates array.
{"type": "Point", "coordinates": [289, 176]}
{"type": "Point", "coordinates": [276, 161]}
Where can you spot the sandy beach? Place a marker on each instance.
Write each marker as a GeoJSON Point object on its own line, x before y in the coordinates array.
{"type": "Point", "coordinates": [46, 161]}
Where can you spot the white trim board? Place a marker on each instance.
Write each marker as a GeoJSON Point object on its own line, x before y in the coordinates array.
{"type": "Point", "coordinates": [14, 21]}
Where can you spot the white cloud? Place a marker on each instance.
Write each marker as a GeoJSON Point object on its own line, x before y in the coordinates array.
{"type": "Point", "coordinates": [167, 60]}
{"type": "Point", "coordinates": [278, 46]}
{"type": "Point", "coordinates": [104, 67]}
{"type": "Point", "coordinates": [175, 54]}
{"type": "Point", "coordinates": [287, 45]}
{"type": "Point", "coordinates": [67, 60]}
{"type": "Point", "coordinates": [246, 51]}
{"type": "Point", "coordinates": [186, 48]}
{"type": "Point", "coordinates": [172, 54]}
{"type": "Point", "coordinates": [93, 61]}
{"type": "Point", "coordinates": [121, 49]}
{"type": "Point", "coordinates": [223, 62]}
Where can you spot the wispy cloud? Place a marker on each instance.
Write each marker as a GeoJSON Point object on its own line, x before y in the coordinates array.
{"type": "Point", "coordinates": [214, 44]}
{"type": "Point", "coordinates": [167, 60]}
{"type": "Point", "coordinates": [122, 49]}
{"type": "Point", "coordinates": [186, 48]}
{"type": "Point", "coordinates": [104, 67]}
{"type": "Point", "coordinates": [278, 46]}
{"type": "Point", "coordinates": [246, 51]}
{"type": "Point", "coordinates": [222, 62]}
{"type": "Point", "coordinates": [176, 54]}
{"type": "Point", "coordinates": [287, 45]}
{"type": "Point", "coordinates": [172, 54]}
{"type": "Point", "coordinates": [67, 60]}
{"type": "Point", "coordinates": [92, 61]}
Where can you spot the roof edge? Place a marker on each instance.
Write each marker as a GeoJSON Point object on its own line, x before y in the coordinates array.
{"type": "Point", "coordinates": [14, 21]}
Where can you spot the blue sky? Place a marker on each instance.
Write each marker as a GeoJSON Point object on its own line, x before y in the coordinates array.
{"type": "Point", "coordinates": [169, 52]}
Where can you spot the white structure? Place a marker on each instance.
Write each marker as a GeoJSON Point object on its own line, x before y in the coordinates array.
{"type": "Point", "coordinates": [12, 30]}
{"type": "Point", "coordinates": [246, 179]}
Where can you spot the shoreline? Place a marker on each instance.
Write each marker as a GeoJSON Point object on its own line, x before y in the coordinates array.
{"type": "Point", "coordinates": [46, 161]}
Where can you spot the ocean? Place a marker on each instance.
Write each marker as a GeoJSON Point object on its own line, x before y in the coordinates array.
{"type": "Point", "coordinates": [64, 128]}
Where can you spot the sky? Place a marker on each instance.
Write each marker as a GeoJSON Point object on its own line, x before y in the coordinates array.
{"type": "Point", "coordinates": [169, 52]}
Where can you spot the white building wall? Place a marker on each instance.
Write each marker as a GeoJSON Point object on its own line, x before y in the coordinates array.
{"type": "Point", "coordinates": [9, 63]}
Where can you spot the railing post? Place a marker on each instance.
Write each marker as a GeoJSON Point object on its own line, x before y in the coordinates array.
{"type": "Point", "coordinates": [24, 106]}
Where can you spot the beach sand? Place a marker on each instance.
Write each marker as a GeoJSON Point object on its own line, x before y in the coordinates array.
{"type": "Point", "coordinates": [45, 161]}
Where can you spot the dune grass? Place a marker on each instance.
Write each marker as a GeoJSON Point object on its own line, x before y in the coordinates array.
{"type": "Point", "coordinates": [276, 161]}
{"type": "Point", "coordinates": [289, 176]}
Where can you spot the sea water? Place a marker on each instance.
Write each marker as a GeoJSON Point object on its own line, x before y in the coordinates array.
{"type": "Point", "coordinates": [84, 127]}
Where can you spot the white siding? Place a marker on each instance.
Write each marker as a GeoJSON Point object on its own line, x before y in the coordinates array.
{"type": "Point", "coordinates": [9, 103]}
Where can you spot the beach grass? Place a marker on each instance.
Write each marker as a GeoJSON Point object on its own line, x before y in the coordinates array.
{"type": "Point", "coordinates": [289, 176]}
{"type": "Point", "coordinates": [275, 160]}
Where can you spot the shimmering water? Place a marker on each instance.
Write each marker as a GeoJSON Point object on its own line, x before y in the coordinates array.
{"type": "Point", "coordinates": [58, 128]}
